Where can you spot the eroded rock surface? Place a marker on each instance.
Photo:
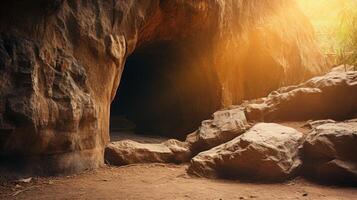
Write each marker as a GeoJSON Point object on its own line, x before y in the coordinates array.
{"type": "Point", "coordinates": [181, 150]}
{"type": "Point", "coordinates": [330, 152]}
{"type": "Point", "coordinates": [224, 126]}
{"type": "Point", "coordinates": [267, 152]}
{"type": "Point", "coordinates": [127, 152]}
{"type": "Point", "coordinates": [61, 64]}
{"type": "Point", "coordinates": [333, 95]}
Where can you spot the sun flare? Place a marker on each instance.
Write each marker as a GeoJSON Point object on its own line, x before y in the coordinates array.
{"type": "Point", "coordinates": [333, 21]}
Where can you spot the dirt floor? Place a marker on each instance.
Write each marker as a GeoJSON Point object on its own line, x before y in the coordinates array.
{"type": "Point", "coordinates": [164, 181]}
{"type": "Point", "coordinates": [159, 181]}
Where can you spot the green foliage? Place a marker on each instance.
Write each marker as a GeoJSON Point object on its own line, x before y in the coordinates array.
{"type": "Point", "coordinates": [335, 23]}
{"type": "Point", "coordinates": [347, 34]}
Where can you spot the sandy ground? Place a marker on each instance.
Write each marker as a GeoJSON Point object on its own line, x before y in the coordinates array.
{"type": "Point", "coordinates": [165, 181]}
{"type": "Point", "coordinates": [159, 181]}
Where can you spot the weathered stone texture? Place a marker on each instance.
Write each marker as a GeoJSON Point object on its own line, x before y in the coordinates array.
{"type": "Point", "coordinates": [61, 63]}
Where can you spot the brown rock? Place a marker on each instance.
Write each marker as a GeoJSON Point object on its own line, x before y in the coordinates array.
{"type": "Point", "coordinates": [330, 152]}
{"type": "Point", "coordinates": [61, 63]}
{"type": "Point", "coordinates": [180, 150]}
{"type": "Point", "coordinates": [333, 95]}
{"type": "Point", "coordinates": [127, 152]}
{"type": "Point", "coordinates": [313, 124]}
{"type": "Point", "coordinates": [130, 152]}
{"type": "Point", "coordinates": [225, 125]}
{"type": "Point", "coordinates": [267, 152]}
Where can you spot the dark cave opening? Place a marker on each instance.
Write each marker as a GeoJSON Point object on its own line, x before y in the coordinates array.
{"type": "Point", "coordinates": [162, 93]}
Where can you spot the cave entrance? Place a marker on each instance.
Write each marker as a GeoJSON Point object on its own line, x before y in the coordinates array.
{"type": "Point", "coordinates": [163, 93]}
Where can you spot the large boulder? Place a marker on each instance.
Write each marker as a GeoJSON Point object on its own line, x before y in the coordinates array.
{"type": "Point", "coordinates": [127, 152]}
{"type": "Point", "coordinates": [267, 152]}
{"type": "Point", "coordinates": [223, 127]}
{"type": "Point", "coordinates": [333, 95]}
{"type": "Point", "coordinates": [61, 63]}
{"type": "Point", "coordinates": [330, 152]}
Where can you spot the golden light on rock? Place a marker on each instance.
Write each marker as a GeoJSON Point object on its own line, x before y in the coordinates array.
{"type": "Point", "coordinates": [228, 89]}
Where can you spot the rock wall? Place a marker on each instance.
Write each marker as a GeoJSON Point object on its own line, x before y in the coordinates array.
{"type": "Point", "coordinates": [61, 63]}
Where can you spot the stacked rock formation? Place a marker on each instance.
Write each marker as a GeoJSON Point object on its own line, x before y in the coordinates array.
{"type": "Point", "coordinates": [61, 63]}
{"type": "Point", "coordinates": [329, 152]}
{"type": "Point", "coordinates": [226, 146]}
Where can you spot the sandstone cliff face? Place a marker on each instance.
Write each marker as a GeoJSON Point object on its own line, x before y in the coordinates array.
{"type": "Point", "coordinates": [61, 63]}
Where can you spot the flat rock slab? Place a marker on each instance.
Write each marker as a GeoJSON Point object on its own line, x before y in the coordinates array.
{"type": "Point", "coordinates": [127, 152]}
{"type": "Point", "coordinates": [267, 152]}
{"type": "Point", "coordinates": [330, 152]}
